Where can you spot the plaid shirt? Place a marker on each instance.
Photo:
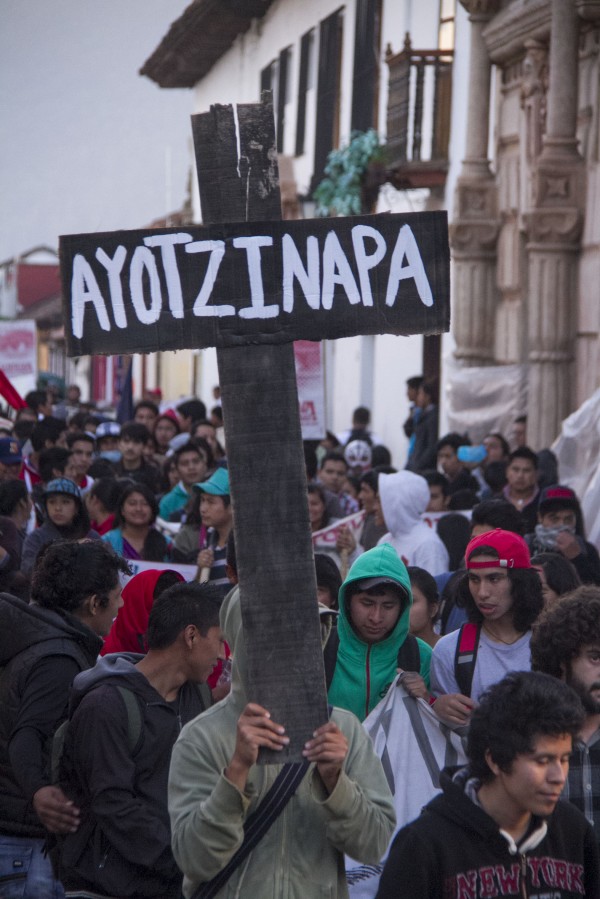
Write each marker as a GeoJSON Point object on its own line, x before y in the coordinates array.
{"type": "Point", "coordinates": [583, 784]}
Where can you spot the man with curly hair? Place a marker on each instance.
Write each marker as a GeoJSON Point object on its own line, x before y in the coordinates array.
{"type": "Point", "coordinates": [75, 593]}
{"type": "Point", "coordinates": [498, 828]}
{"type": "Point", "coordinates": [566, 644]}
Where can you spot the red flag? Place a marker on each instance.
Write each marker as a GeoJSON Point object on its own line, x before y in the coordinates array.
{"type": "Point", "coordinates": [9, 393]}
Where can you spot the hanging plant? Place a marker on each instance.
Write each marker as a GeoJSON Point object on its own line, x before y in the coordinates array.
{"type": "Point", "coordinates": [342, 190]}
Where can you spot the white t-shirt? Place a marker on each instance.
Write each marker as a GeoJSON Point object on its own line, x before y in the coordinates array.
{"type": "Point", "coordinates": [494, 660]}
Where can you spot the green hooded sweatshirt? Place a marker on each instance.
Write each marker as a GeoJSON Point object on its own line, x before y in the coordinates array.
{"type": "Point", "coordinates": [364, 672]}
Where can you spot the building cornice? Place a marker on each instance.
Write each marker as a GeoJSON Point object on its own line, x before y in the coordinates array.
{"type": "Point", "coordinates": [198, 38]}
{"type": "Point", "coordinates": [506, 33]}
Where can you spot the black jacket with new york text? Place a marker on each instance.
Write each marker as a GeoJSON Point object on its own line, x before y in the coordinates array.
{"type": "Point", "coordinates": [454, 850]}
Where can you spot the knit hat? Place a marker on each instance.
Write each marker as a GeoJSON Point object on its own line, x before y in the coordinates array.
{"type": "Point", "coordinates": [63, 485]}
{"type": "Point", "coordinates": [511, 549]}
{"type": "Point", "coordinates": [217, 484]}
{"type": "Point", "coordinates": [557, 495]}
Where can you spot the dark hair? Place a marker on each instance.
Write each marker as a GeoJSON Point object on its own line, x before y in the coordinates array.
{"type": "Point", "coordinates": [494, 475]}
{"type": "Point", "coordinates": [380, 455]}
{"type": "Point", "coordinates": [143, 490]}
{"type": "Point", "coordinates": [521, 420]}
{"type": "Point", "coordinates": [333, 456]}
{"type": "Point", "coordinates": [524, 452]}
{"type": "Point", "coordinates": [23, 429]}
{"type": "Point", "coordinates": [146, 404]}
{"type": "Point", "coordinates": [328, 575]}
{"type": "Point", "coordinates": [201, 444]}
{"type": "Point", "coordinates": [101, 468]}
{"type": "Point", "coordinates": [452, 440]}
{"type": "Point", "coordinates": [135, 431]}
{"type": "Point", "coordinates": [497, 513]}
{"type": "Point", "coordinates": [48, 428]}
{"type": "Point", "coordinates": [74, 436]}
{"type": "Point", "coordinates": [11, 493]}
{"type": "Point", "coordinates": [430, 386]}
{"type": "Point", "coordinates": [415, 382]}
{"type": "Point", "coordinates": [513, 713]}
{"type": "Point", "coordinates": [78, 420]}
{"type": "Point", "coordinates": [317, 490]}
{"type": "Point", "coordinates": [217, 411]}
{"type": "Point", "coordinates": [180, 606]}
{"type": "Point", "coordinates": [108, 492]}
{"type": "Point", "coordinates": [454, 530]}
{"type": "Point", "coordinates": [230, 553]}
{"type": "Point", "coordinates": [369, 478]}
{"type": "Point", "coordinates": [80, 526]}
{"type": "Point", "coordinates": [436, 479]}
{"type": "Point", "coordinates": [462, 499]}
{"type": "Point", "coordinates": [310, 457]}
{"type": "Point", "coordinates": [193, 409]}
{"type": "Point", "coordinates": [502, 440]}
{"type": "Point", "coordinates": [165, 468]}
{"type": "Point", "coordinates": [192, 446]}
{"type": "Point", "coordinates": [36, 398]}
{"type": "Point", "coordinates": [55, 457]}
{"type": "Point", "coordinates": [167, 579]}
{"type": "Point", "coordinates": [564, 628]}
{"type": "Point", "coordinates": [66, 573]}
{"type": "Point", "coordinates": [525, 590]}
{"type": "Point", "coordinates": [421, 578]}
{"type": "Point", "coordinates": [193, 507]}
{"type": "Point", "coordinates": [155, 545]}
{"type": "Point", "coordinates": [361, 416]}
{"type": "Point", "coordinates": [561, 575]}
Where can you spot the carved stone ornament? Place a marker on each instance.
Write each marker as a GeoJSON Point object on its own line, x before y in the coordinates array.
{"type": "Point", "coordinates": [534, 89]}
{"type": "Point", "coordinates": [553, 226]}
{"type": "Point", "coordinates": [588, 9]}
{"type": "Point", "coordinates": [556, 186]}
{"type": "Point", "coordinates": [475, 237]}
{"type": "Point", "coordinates": [475, 199]}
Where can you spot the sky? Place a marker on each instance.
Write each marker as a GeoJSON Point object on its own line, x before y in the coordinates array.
{"type": "Point", "coordinates": [86, 143]}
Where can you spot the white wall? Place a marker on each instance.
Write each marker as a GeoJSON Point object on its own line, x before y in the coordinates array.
{"type": "Point", "coordinates": [236, 78]}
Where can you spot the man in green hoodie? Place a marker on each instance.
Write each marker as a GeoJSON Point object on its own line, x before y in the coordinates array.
{"type": "Point", "coordinates": [374, 604]}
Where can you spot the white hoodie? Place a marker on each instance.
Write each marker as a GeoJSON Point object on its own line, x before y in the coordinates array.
{"type": "Point", "coordinates": [404, 497]}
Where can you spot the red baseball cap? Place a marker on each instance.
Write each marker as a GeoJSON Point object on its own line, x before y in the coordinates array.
{"type": "Point", "coordinates": [512, 550]}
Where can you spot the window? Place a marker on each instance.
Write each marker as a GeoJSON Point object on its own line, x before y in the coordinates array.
{"type": "Point", "coordinates": [446, 27]}
{"type": "Point", "coordinates": [305, 83]}
{"type": "Point", "coordinates": [367, 48]}
{"type": "Point", "coordinates": [328, 90]}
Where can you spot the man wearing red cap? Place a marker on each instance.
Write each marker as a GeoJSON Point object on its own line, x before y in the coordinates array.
{"type": "Point", "coordinates": [502, 595]}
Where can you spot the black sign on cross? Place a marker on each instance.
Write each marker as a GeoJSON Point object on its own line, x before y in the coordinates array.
{"type": "Point", "coordinates": [250, 284]}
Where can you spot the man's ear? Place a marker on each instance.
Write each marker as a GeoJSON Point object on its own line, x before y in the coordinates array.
{"type": "Point", "coordinates": [494, 768]}
{"type": "Point", "coordinates": [190, 635]}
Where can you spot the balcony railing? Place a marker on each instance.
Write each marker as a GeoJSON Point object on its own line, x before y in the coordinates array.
{"type": "Point", "coordinates": [418, 117]}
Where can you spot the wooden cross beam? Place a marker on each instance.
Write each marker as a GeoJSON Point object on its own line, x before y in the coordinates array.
{"type": "Point", "coordinates": [250, 289]}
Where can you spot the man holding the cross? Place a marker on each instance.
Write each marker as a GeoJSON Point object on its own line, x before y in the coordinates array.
{"type": "Point", "coordinates": [341, 805]}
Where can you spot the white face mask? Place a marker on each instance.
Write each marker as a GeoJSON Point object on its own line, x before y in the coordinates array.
{"type": "Point", "coordinates": [547, 536]}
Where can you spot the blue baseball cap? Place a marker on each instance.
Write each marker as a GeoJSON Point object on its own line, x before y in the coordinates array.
{"type": "Point", "coordinates": [217, 484]}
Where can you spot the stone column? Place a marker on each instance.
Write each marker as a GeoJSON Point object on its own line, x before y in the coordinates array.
{"type": "Point", "coordinates": [553, 225]}
{"type": "Point", "coordinates": [475, 227]}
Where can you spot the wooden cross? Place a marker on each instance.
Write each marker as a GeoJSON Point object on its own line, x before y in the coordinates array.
{"type": "Point", "coordinates": [250, 289]}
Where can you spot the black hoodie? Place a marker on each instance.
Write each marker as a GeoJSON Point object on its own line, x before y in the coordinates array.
{"type": "Point", "coordinates": [41, 651]}
{"type": "Point", "coordinates": [454, 850]}
{"type": "Point", "coordinates": [123, 846]}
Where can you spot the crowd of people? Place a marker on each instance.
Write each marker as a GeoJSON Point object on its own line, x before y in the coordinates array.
{"type": "Point", "coordinates": [459, 603]}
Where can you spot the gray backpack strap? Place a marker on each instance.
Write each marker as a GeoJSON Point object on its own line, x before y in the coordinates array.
{"type": "Point", "coordinates": [135, 729]}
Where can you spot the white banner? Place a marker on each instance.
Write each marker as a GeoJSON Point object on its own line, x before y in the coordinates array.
{"type": "Point", "coordinates": [328, 536]}
{"type": "Point", "coordinates": [187, 572]}
{"type": "Point", "coordinates": [18, 348]}
{"type": "Point", "coordinates": [310, 378]}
